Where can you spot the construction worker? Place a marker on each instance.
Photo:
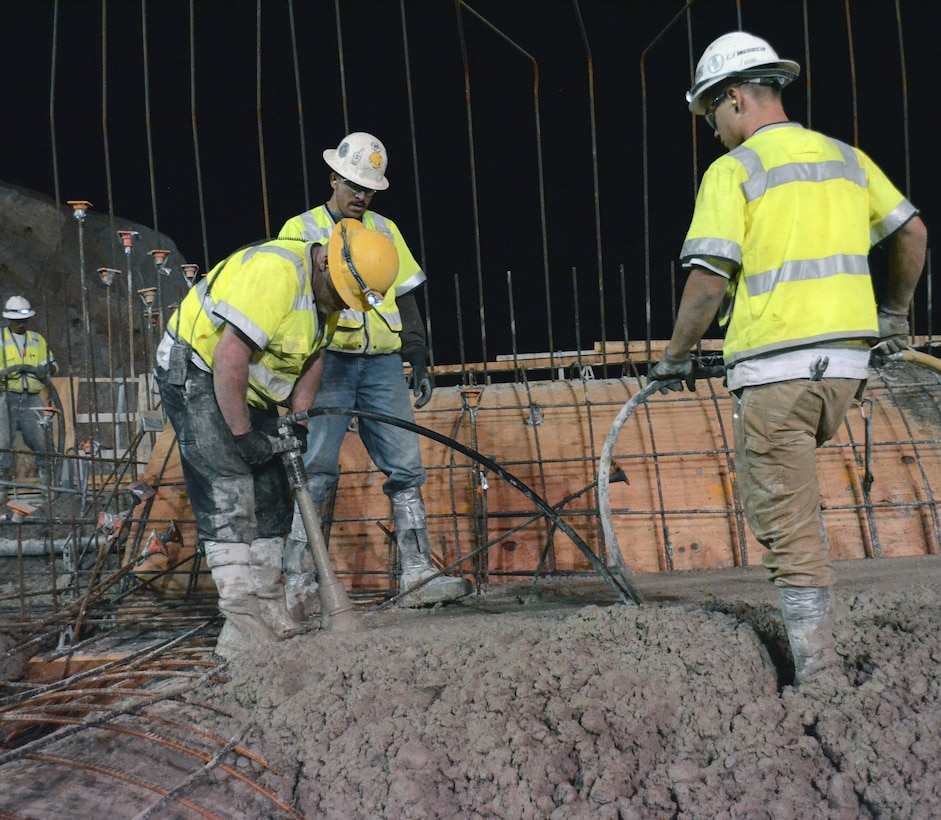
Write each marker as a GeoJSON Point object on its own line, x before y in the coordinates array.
{"type": "Point", "coordinates": [363, 370]}
{"type": "Point", "coordinates": [246, 339]}
{"type": "Point", "coordinates": [778, 247]}
{"type": "Point", "coordinates": [27, 363]}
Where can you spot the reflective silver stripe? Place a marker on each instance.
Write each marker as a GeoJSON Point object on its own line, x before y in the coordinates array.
{"type": "Point", "coordinates": [411, 283]}
{"type": "Point", "coordinates": [273, 385]}
{"type": "Point", "coordinates": [900, 214]}
{"type": "Point", "coordinates": [759, 180]}
{"type": "Point", "coordinates": [393, 317]}
{"type": "Point", "coordinates": [803, 270]}
{"type": "Point", "coordinates": [206, 303]}
{"type": "Point", "coordinates": [809, 341]}
{"type": "Point", "coordinates": [381, 225]}
{"type": "Point", "coordinates": [292, 257]}
{"type": "Point", "coordinates": [314, 232]}
{"type": "Point", "coordinates": [238, 319]}
{"type": "Point", "coordinates": [709, 246]}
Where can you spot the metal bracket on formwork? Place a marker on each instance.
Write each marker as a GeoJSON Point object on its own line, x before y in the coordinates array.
{"type": "Point", "coordinates": [107, 276]}
{"type": "Point", "coordinates": [45, 415]}
{"type": "Point", "coordinates": [147, 296]}
{"type": "Point", "coordinates": [79, 208]}
{"type": "Point", "coordinates": [535, 417]}
{"type": "Point", "coordinates": [470, 396]}
{"type": "Point", "coordinates": [189, 273]}
{"type": "Point", "coordinates": [159, 258]}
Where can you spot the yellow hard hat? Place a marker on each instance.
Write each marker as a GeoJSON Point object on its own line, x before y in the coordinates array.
{"type": "Point", "coordinates": [363, 264]}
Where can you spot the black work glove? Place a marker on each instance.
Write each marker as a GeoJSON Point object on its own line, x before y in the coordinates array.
{"type": "Point", "coordinates": [420, 380]}
{"type": "Point", "coordinates": [255, 447]}
{"type": "Point", "coordinates": [893, 332]}
{"type": "Point", "coordinates": [42, 372]}
{"type": "Point", "coordinates": [299, 431]}
{"type": "Point", "coordinates": [672, 372]}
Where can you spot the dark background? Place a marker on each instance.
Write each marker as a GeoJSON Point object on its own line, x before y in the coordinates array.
{"type": "Point", "coordinates": [479, 189]}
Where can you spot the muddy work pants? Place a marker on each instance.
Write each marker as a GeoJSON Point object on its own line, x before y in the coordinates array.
{"type": "Point", "coordinates": [231, 501]}
{"type": "Point", "coordinates": [778, 428]}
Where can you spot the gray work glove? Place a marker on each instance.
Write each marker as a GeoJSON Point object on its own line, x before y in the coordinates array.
{"type": "Point", "coordinates": [673, 372]}
{"type": "Point", "coordinates": [42, 372]}
{"type": "Point", "coordinates": [894, 331]}
{"type": "Point", "coordinates": [420, 380]}
{"type": "Point", "coordinates": [255, 447]}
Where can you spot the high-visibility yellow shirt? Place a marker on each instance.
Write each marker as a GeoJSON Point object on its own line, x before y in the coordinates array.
{"type": "Point", "coordinates": [265, 292]}
{"type": "Point", "coordinates": [35, 353]}
{"type": "Point", "coordinates": [377, 330]}
{"type": "Point", "coordinates": [791, 216]}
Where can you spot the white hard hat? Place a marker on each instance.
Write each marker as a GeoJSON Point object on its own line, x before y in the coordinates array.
{"type": "Point", "coordinates": [17, 308]}
{"type": "Point", "coordinates": [360, 158]}
{"type": "Point", "coordinates": [737, 54]}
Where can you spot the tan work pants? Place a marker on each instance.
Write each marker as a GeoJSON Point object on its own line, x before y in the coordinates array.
{"type": "Point", "coordinates": [778, 428]}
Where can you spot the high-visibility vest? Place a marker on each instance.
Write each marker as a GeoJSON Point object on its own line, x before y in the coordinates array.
{"type": "Point", "coordinates": [377, 330]}
{"type": "Point", "coordinates": [793, 214]}
{"type": "Point", "coordinates": [35, 354]}
{"type": "Point", "coordinates": [265, 292]}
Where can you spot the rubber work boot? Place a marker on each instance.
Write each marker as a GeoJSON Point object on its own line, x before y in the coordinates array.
{"type": "Point", "coordinates": [411, 534]}
{"type": "Point", "coordinates": [300, 573]}
{"type": "Point", "coordinates": [265, 557]}
{"type": "Point", "coordinates": [244, 628]}
{"type": "Point", "coordinates": [806, 612]}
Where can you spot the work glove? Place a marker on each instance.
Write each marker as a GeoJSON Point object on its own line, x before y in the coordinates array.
{"type": "Point", "coordinates": [255, 447]}
{"type": "Point", "coordinates": [420, 380]}
{"type": "Point", "coordinates": [672, 372]}
{"type": "Point", "coordinates": [894, 331]}
{"type": "Point", "coordinates": [42, 372]}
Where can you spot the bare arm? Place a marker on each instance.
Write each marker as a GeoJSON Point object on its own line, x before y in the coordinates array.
{"type": "Point", "coordinates": [230, 379]}
{"type": "Point", "coordinates": [699, 304]}
{"type": "Point", "coordinates": [909, 246]}
{"type": "Point", "coordinates": [305, 389]}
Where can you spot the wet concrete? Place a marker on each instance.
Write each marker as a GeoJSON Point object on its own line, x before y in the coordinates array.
{"type": "Point", "coordinates": [572, 705]}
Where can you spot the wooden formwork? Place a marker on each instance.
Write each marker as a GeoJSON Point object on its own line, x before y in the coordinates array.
{"type": "Point", "coordinates": [679, 509]}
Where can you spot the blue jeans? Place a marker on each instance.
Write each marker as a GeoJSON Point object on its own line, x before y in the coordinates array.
{"type": "Point", "coordinates": [231, 501]}
{"type": "Point", "coordinates": [373, 383]}
{"type": "Point", "coordinates": [17, 413]}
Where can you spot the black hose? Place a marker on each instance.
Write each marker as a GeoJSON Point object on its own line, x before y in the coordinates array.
{"type": "Point", "coordinates": [625, 591]}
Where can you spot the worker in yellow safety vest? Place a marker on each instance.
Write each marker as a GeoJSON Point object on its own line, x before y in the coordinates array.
{"type": "Point", "coordinates": [26, 365]}
{"type": "Point", "coordinates": [246, 339]}
{"type": "Point", "coordinates": [363, 370]}
{"type": "Point", "coordinates": [778, 248]}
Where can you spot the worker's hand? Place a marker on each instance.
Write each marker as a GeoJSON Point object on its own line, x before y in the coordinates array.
{"type": "Point", "coordinates": [299, 431]}
{"type": "Point", "coordinates": [42, 372]}
{"type": "Point", "coordinates": [255, 447]}
{"type": "Point", "coordinates": [420, 380]}
{"type": "Point", "coordinates": [673, 372]}
{"type": "Point", "coordinates": [894, 332]}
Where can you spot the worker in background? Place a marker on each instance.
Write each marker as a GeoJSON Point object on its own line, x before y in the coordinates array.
{"type": "Point", "coordinates": [246, 339]}
{"type": "Point", "coordinates": [778, 248]}
{"type": "Point", "coordinates": [27, 363]}
{"type": "Point", "coordinates": [363, 370]}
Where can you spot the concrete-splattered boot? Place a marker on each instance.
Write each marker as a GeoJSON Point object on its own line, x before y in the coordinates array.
{"type": "Point", "coordinates": [300, 573]}
{"type": "Point", "coordinates": [265, 557]}
{"type": "Point", "coordinates": [411, 534]}
{"type": "Point", "coordinates": [244, 628]}
{"type": "Point", "coordinates": [806, 612]}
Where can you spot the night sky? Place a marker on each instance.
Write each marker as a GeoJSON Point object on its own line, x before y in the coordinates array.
{"type": "Point", "coordinates": [484, 208]}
